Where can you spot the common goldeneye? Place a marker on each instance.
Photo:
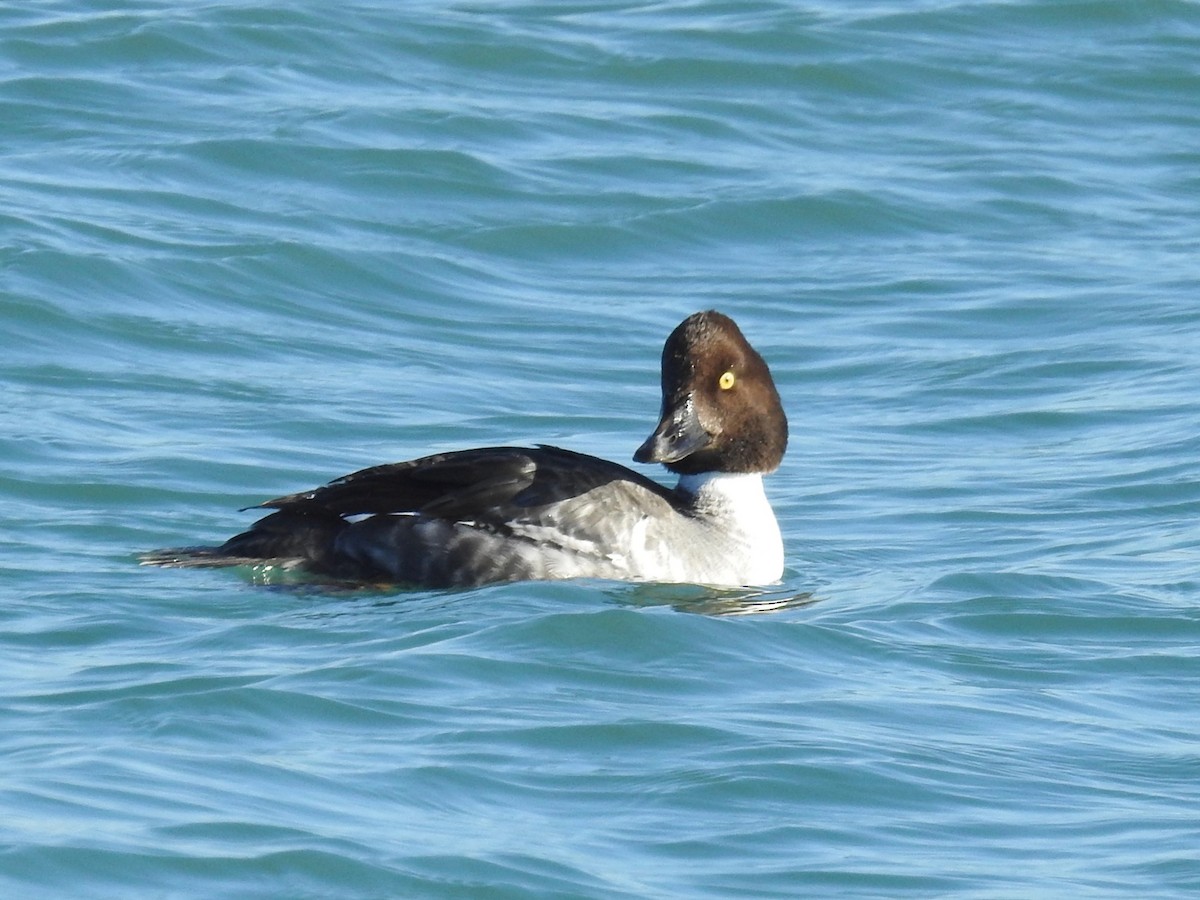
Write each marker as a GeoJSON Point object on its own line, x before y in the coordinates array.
{"type": "Point", "coordinates": [511, 513]}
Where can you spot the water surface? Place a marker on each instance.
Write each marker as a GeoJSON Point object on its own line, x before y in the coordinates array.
{"type": "Point", "coordinates": [246, 249]}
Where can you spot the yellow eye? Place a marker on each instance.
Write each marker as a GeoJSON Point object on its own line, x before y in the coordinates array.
{"type": "Point", "coordinates": [726, 381]}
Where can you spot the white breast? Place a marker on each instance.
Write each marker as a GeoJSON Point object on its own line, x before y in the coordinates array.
{"type": "Point", "coordinates": [743, 539]}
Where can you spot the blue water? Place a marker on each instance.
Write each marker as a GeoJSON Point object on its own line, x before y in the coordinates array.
{"type": "Point", "coordinates": [248, 248]}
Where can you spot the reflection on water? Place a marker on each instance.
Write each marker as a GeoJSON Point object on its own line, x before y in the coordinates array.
{"type": "Point", "coordinates": [710, 601]}
{"type": "Point", "coordinates": [687, 598]}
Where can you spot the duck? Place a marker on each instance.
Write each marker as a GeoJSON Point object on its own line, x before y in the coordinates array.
{"type": "Point", "coordinates": [501, 514]}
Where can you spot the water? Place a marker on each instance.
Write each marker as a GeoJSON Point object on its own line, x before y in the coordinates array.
{"type": "Point", "coordinates": [246, 249]}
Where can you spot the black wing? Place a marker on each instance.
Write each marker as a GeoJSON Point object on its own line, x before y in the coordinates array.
{"type": "Point", "coordinates": [467, 484]}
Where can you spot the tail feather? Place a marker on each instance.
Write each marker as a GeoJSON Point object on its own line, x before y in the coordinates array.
{"type": "Point", "coordinates": [293, 538]}
{"type": "Point", "coordinates": [208, 558]}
